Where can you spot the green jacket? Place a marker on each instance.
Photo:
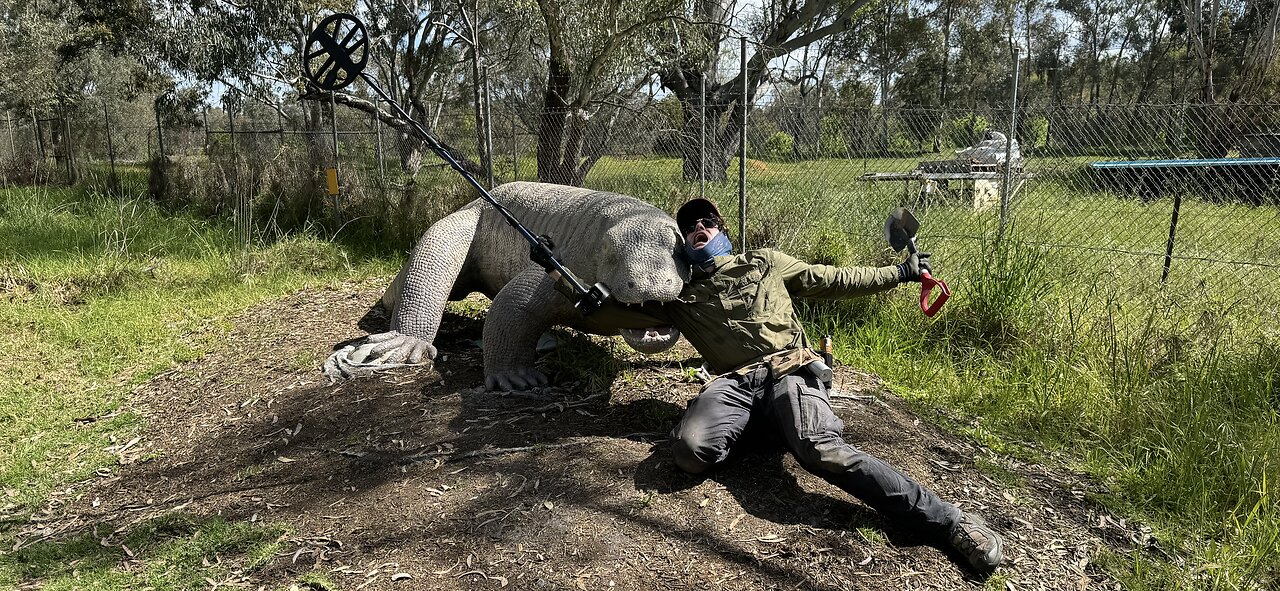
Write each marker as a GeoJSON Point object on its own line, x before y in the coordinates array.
{"type": "Point", "coordinates": [742, 310]}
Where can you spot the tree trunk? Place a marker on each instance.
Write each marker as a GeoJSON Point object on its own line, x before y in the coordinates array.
{"type": "Point", "coordinates": [551, 130]}
{"type": "Point", "coordinates": [720, 149]}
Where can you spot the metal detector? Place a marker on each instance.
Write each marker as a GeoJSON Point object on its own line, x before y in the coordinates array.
{"type": "Point", "coordinates": [900, 229]}
{"type": "Point", "coordinates": [336, 53]}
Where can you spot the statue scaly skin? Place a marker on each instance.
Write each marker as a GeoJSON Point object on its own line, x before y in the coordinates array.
{"type": "Point", "coordinates": [627, 244]}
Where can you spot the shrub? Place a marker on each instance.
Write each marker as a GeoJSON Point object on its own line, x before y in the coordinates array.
{"type": "Point", "coordinates": [1036, 132]}
{"type": "Point", "coordinates": [834, 144]}
{"type": "Point", "coordinates": [23, 170]}
{"type": "Point", "coordinates": [828, 246]}
{"type": "Point", "coordinates": [965, 130]}
{"type": "Point", "coordinates": [779, 146]}
{"type": "Point", "coordinates": [666, 142]}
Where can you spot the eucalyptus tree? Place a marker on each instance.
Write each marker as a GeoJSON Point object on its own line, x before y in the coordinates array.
{"type": "Point", "coordinates": [1234, 48]}
{"type": "Point", "coordinates": [698, 58]}
{"type": "Point", "coordinates": [1234, 45]}
{"type": "Point", "coordinates": [598, 58]}
{"type": "Point", "coordinates": [55, 64]}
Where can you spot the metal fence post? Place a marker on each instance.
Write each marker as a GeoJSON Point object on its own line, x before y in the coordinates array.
{"type": "Point", "coordinates": [280, 126]}
{"type": "Point", "coordinates": [159, 134]}
{"type": "Point", "coordinates": [1173, 229]}
{"type": "Point", "coordinates": [702, 136]}
{"type": "Point", "coordinates": [1008, 151]}
{"type": "Point", "coordinates": [35, 121]}
{"type": "Point", "coordinates": [515, 147]}
{"type": "Point", "coordinates": [205, 113]}
{"type": "Point", "coordinates": [742, 154]}
{"type": "Point", "coordinates": [13, 150]}
{"type": "Point", "coordinates": [333, 118]}
{"type": "Point", "coordinates": [382, 167]}
{"type": "Point", "coordinates": [111, 148]}
{"type": "Point", "coordinates": [66, 140]}
{"type": "Point", "coordinates": [241, 203]}
{"type": "Point", "coordinates": [488, 129]}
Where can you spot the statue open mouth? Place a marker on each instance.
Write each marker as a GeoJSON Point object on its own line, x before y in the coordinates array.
{"type": "Point", "coordinates": [651, 340]}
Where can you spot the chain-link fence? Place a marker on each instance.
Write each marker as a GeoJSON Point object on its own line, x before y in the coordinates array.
{"type": "Point", "coordinates": [1123, 204]}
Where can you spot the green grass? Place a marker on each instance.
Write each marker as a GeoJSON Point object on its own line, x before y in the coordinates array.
{"type": "Point", "coordinates": [1062, 339]}
{"type": "Point", "coordinates": [171, 552]}
{"type": "Point", "coordinates": [97, 294]}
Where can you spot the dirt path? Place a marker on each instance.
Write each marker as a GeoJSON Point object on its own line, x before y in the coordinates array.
{"type": "Point", "coordinates": [418, 473]}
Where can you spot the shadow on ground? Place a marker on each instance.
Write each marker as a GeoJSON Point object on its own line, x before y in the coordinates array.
{"type": "Point", "coordinates": [420, 471]}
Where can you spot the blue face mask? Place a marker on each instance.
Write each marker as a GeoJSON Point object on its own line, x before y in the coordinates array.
{"type": "Point", "coordinates": [718, 246]}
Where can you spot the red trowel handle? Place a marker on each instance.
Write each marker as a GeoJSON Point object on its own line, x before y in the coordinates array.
{"type": "Point", "coordinates": [927, 283]}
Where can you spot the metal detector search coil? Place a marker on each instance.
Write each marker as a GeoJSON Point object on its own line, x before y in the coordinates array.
{"type": "Point", "coordinates": [337, 52]}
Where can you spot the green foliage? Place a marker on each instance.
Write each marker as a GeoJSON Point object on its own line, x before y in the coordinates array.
{"type": "Point", "coordinates": [827, 246]}
{"type": "Point", "coordinates": [179, 552]}
{"type": "Point", "coordinates": [778, 146]}
{"type": "Point", "coordinates": [1036, 132]}
{"type": "Point", "coordinates": [101, 293]}
{"type": "Point", "coordinates": [834, 143]}
{"type": "Point", "coordinates": [1167, 393]}
{"type": "Point", "coordinates": [22, 171]}
{"type": "Point", "coordinates": [667, 142]}
{"type": "Point", "coordinates": [180, 107]}
{"type": "Point", "coordinates": [1006, 289]}
{"type": "Point", "coordinates": [964, 130]}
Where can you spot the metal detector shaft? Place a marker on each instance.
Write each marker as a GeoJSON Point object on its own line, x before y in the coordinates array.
{"type": "Point", "coordinates": [336, 53]}
{"type": "Point", "coordinates": [453, 163]}
{"type": "Point", "coordinates": [440, 151]}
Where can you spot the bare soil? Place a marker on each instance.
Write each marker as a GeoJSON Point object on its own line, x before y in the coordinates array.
{"type": "Point", "coordinates": [420, 479]}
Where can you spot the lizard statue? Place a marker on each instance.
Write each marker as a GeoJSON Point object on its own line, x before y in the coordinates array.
{"type": "Point", "coordinates": [631, 246]}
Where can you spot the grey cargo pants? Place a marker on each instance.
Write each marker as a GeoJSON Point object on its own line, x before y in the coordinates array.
{"type": "Point", "coordinates": [798, 409]}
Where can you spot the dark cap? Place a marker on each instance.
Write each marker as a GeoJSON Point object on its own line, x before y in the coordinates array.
{"type": "Point", "coordinates": [694, 210]}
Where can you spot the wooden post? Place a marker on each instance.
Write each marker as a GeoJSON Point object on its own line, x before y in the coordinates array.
{"type": "Point", "coordinates": [1173, 229]}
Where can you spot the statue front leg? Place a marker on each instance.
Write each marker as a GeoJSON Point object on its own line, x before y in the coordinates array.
{"type": "Point", "coordinates": [525, 308]}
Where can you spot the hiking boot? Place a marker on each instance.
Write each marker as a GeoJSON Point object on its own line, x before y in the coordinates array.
{"type": "Point", "coordinates": [978, 544]}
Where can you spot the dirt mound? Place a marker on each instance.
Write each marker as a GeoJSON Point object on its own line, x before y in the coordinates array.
{"type": "Point", "coordinates": [418, 473]}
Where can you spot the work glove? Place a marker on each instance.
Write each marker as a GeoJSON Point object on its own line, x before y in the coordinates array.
{"type": "Point", "coordinates": [916, 265]}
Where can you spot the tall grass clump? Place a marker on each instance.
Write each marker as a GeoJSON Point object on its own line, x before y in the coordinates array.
{"type": "Point", "coordinates": [1172, 403]}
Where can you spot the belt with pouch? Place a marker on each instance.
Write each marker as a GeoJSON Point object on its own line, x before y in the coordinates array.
{"type": "Point", "coordinates": [786, 362]}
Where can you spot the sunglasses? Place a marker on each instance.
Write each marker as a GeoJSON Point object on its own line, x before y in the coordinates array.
{"type": "Point", "coordinates": [707, 223]}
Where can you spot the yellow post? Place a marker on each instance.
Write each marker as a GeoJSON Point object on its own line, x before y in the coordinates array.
{"type": "Point", "coordinates": [331, 175]}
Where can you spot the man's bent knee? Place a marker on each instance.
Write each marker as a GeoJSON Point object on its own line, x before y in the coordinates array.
{"type": "Point", "coordinates": [687, 458]}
